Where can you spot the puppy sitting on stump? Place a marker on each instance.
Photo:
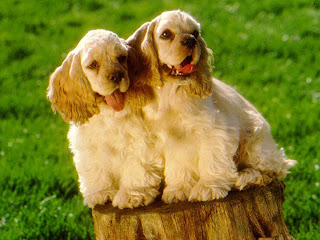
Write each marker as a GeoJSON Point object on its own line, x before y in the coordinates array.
{"type": "Point", "coordinates": [213, 142]}
{"type": "Point", "coordinates": [207, 140]}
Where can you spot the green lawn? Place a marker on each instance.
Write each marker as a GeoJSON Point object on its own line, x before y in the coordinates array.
{"type": "Point", "coordinates": [268, 50]}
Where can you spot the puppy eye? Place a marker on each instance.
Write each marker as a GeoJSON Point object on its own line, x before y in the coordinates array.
{"type": "Point", "coordinates": [93, 65]}
{"type": "Point", "coordinates": [167, 34]}
{"type": "Point", "coordinates": [196, 34]}
{"type": "Point", "coordinates": [122, 59]}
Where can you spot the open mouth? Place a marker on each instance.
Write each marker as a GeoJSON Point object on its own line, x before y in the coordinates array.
{"type": "Point", "coordinates": [184, 68]}
{"type": "Point", "coordinates": [115, 100]}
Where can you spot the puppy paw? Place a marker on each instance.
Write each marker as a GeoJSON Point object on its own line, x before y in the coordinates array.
{"type": "Point", "coordinates": [133, 198]}
{"type": "Point", "coordinates": [250, 176]}
{"type": "Point", "coordinates": [100, 197]}
{"type": "Point", "coordinates": [174, 195]}
{"type": "Point", "coordinates": [203, 192]}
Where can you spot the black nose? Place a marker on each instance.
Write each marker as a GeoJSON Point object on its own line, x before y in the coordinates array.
{"type": "Point", "coordinates": [189, 41]}
{"type": "Point", "coordinates": [116, 77]}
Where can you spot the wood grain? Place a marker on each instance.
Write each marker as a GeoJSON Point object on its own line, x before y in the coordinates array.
{"type": "Point", "coordinates": [252, 214]}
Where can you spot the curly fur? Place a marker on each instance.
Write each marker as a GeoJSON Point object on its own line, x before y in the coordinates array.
{"type": "Point", "coordinates": [212, 139]}
{"type": "Point", "coordinates": [70, 93]}
{"type": "Point", "coordinates": [113, 151]}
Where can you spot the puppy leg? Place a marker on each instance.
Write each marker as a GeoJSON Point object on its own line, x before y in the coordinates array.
{"type": "Point", "coordinates": [216, 179]}
{"type": "Point", "coordinates": [180, 175]}
{"type": "Point", "coordinates": [217, 170]}
{"type": "Point", "coordinates": [265, 160]}
{"type": "Point", "coordinates": [96, 185]}
{"type": "Point", "coordinates": [139, 184]}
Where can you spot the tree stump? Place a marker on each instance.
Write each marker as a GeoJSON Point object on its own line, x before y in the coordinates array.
{"type": "Point", "coordinates": [252, 214]}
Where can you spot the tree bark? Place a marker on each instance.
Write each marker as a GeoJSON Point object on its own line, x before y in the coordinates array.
{"type": "Point", "coordinates": [252, 214]}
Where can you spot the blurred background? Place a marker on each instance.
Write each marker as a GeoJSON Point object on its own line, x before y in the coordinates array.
{"type": "Point", "coordinates": [268, 50]}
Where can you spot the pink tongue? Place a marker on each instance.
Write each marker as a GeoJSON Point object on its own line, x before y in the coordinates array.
{"type": "Point", "coordinates": [189, 68]}
{"type": "Point", "coordinates": [115, 100]}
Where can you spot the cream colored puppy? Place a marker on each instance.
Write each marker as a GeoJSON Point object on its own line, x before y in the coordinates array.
{"type": "Point", "coordinates": [212, 138]}
{"type": "Point", "coordinates": [112, 149]}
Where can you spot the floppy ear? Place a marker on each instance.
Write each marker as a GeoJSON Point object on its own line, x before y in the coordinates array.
{"type": "Point", "coordinates": [143, 66]}
{"type": "Point", "coordinates": [201, 84]}
{"type": "Point", "coordinates": [139, 93]}
{"type": "Point", "coordinates": [149, 49]}
{"type": "Point", "coordinates": [70, 92]}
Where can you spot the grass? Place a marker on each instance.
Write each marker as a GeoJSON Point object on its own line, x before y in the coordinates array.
{"type": "Point", "coordinates": [268, 50]}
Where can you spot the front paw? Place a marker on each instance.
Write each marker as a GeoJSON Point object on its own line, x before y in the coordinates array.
{"type": "Point", "coordinates": [134, 198]}
{"type": "Point", "coordinates": [100, 197]}
{"type": "Point", "coordinates": [174, 194]}
{"type": "Point", "coordinates": [203, 192]}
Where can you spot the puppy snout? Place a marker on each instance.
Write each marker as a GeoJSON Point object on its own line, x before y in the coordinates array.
{"type": "Point", "coordinates": [116, 77]}
{"type": "Point", "coordinates": [189, 41]}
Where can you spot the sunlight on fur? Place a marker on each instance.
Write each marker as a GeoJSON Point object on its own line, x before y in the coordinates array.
{"type": "Point", "coordinates": [212, 138]}
{"type": "Point", "coordinates": [147, 111]}
{"type": "Point", "coordinates": [113, 151]}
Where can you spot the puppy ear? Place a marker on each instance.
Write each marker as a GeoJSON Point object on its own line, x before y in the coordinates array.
{"type": "Point", "coordinates": [70, 92]}
{"type": "Point", "coordinates": [201, 84]}
{"type": "Point", "coordinates": [143, 66]}
{"type": "Point", "coordinates": [149, 49]}
{"type": "Point", "coordinates": [140, 93]}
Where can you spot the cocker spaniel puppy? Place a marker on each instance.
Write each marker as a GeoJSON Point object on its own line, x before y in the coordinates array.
{"type": "Point", "coordinates": [211, 137]}
{"type": "Point", "coordinates": [113, 152]}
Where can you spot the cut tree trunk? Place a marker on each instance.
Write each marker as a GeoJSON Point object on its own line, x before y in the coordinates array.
{"type": "Point", "coordinates": [252, 214]}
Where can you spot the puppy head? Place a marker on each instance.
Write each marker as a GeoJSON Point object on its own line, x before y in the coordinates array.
{"type": "Point", "coordinates": [94, 72]}
{"type": "Point", "coordinates": [175, 48]}
{"type": "Point", "coordinates": [176, 37]}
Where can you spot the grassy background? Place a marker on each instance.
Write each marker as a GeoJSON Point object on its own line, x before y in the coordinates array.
{"type": "Point", "coordinates": [268, 50]}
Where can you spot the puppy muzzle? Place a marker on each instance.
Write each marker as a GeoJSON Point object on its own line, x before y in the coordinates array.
{"type": "Point", "coordinates": [190, 42]}
{"type": "Point", "coordinates": [119, 78]}
{"type": "Point", "coordinates": [116, 77]}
